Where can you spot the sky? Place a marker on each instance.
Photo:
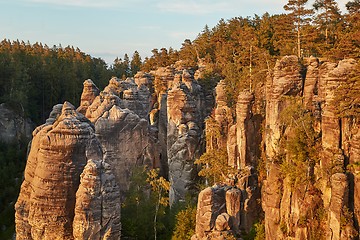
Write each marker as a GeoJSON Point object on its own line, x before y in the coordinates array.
{"type": "Point", "coordinates": [111, 28]}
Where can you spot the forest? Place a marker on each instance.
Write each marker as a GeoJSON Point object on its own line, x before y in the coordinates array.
{"type": "Point", "coordinates": [240, 50]}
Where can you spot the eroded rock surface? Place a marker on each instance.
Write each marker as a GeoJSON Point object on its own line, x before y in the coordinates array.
{"type": "Point", "coordinates": [60, 150]}
{"type": "Point", "coordinates": [13, 127]}
{"type": "Point", "coordinates": [218, 212]}
{"type": "Point", "coordinates": [90, 92]}
{"type": "Point", "coordinates": [184, 129]}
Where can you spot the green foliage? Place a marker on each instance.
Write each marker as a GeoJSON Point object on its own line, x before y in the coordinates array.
{"type": "Point", "coordinates": [160, 59]}
{"type": "Point", "coordinates": [34, 77]}
{"type": "Point", "coordinates": [214, 165]}
{"type": "Point", "coordinates": [300, 18]}
{"type": "Point", "coordinates": [159, 186]}
{"type": "Point", "coordinates": [146, 198]}
{"type": "Point", "coordinates": [260, 231]}
{"type": "Point", "coordinates": [257, 232]}
{"type": "Point", "coordinates": [346, 217]}
{"type": "Point", "coordinates": [299, 143]}
{"type": "Point", "coordinates": [209, 80]}
{"type": "Point", "coordinates": [353, 6]}
{"type": "Point", "coordinates": [347, 95]}
{"type": "Point", "coordinates": [136, 63]}
{"type": "Point", "coordinates": [12, 164]}
{"type": "Point", "coordinates": [327, 18]}
{"type": "Point", "coordinates": [185, 224]}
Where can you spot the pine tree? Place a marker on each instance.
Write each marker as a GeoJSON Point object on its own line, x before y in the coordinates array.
{"type": "Point", "coordinates": [118, 67]}
{"type": "Point", "coordinates": [328, 16]}
{"type": "Point", "coordinates": [353, 6]}
{"type": "Point", "coordinates": [348, 42]}
{"type": "Point", "coordinates": [135, 63]}
{"type": "Point", "coordinates": [283, 37]}
{"type": "Point", "coordinates": [126, 64]}
{"type": "Point", "coordinates": [300, 16]}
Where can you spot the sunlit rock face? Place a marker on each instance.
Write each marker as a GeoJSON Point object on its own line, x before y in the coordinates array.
{"type": "Point", "coordinates": [326, 203]}
{"type": "Point", "coordinates": [218, 212]}
{"type": "Point", "coordinates": [60, 150]}
{"type": "Point", "coordinates": [97, 209]}
{"type": "Point", "coordinates": [90, 92]}
{"type": "Point", "coordinates": [331, 190]}
{"type": "Point", "coordinates": [123, 134]}
{"type": "Point", "coordinates": [125, 141]}
{"type": "Point", "coordinates": [184, 103]}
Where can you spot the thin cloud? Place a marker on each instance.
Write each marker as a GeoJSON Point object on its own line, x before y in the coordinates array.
{"type": "Point", "coordinates": [82, 3]}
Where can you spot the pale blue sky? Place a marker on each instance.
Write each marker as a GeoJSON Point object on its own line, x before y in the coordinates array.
{"type": "Point", "coordinates": [111, 28]}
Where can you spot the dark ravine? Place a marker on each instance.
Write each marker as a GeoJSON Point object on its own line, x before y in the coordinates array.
{"type": "Point", "coordinates": [80, 162]}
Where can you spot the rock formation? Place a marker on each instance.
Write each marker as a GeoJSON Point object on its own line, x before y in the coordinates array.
{"type": "Point", "coordinates": [89, 153]}
{"type": "Point", "coordinates": [184, 102]}
{"type": "Point", "coordinates": [13, 127]}
{"type": "Point", "coordinates": [90, 92]}
{"type": "Point", "coordinates": [218, 212]}
{"type": "Point", "coordinates": [60, 150]}
{"type": "Point", "coordinates": [296, 162]}
{"type": "Point", "coordinates": [316, 197]}
{"type": "Point", "coordinates": [125, 142]}
{"type": "Point", "coordinates": [328, 192]}
{"type": "Point", "coordinates": [123, 134]}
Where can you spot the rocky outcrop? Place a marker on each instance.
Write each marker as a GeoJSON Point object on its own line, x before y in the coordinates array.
{"type": "Point", "coordinates": [60, 150]}
{"type": "Point", "coordinates": [283, 205]}
{"type": "Point", "coordinates": [123, 93]}
{"type": "Point", "coordinates": [286, 81]}
{"type": "Point", "coordinates": [218, 213]}
{"type": "Point", "coordinates": [184, 131]}
{"type": "Point", "coordinates": [97, 209]}
{"type": "Point", "coordinates": [315, 197]}
{"type": "Point", "coordinates": [90, 92]}
{"type": "Point", "coordinates": [13, 127]}
{"type": "Point", "coordinates": [311, 84]}
{"type": "Point", "coordinates": [246, 137]}
{"type": "Point", "coordinates": [222, 112]}
{"type": "Point", "coordinates": [124, 138]}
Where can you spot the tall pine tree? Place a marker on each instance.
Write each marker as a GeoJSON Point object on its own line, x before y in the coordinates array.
{"type": "Point", "coordinates": [327, 18]}
{"type": "Point", "coordinates": [300, 16]}
{"type": "Point", "coordinates": [135, 63]}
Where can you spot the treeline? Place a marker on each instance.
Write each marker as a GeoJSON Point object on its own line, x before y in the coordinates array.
{"type": "Point", "coordinates": [243, 50]}
{"type": "Point", "coordinates": [34, 77]}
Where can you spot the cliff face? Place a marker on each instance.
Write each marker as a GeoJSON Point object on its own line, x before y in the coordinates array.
{"type": "Point", "coordinates": [81, 161]}
{"type": "Point", "coordinates": [59, 152]}
{"type": "Point", "coordinates": [326, 188]}
{"type": "Point", "coordinates": [309, 167]}
{"type": "Point", "coordinates": [13, 127]}
{"type": "Point", "coordinates": [296, 162]}
{"type": "Point", "coordinates": [79, 167]}
{"type": "Point", "coordinates": [184, 103]}
{"type": "Point", "coordinates": [122, 133]}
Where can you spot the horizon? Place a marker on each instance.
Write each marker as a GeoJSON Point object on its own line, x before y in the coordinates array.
{"type": "Point", "coordinates": [110, 28]}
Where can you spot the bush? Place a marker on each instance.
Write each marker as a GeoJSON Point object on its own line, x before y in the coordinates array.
{"type": "Point", "coordinates": [185, 224]}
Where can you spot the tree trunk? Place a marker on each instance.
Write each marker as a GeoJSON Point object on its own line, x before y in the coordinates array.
{"type": "Point", "coordinates": [298, 40]}
{"type": "Point", "coordinates": [156, 213]}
